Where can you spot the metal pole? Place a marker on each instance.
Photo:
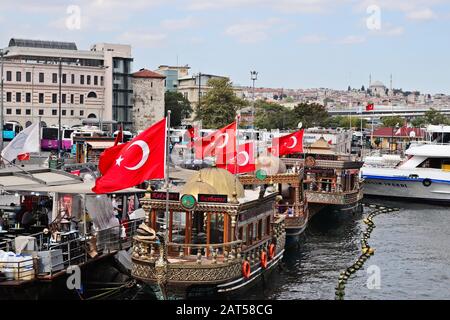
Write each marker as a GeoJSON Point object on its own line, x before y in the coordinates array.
{"type": "Point", "coordinates": [59, 111]}
{"type": "Point", "coordinates": [199, 89]}
{"type": "Point", "coordinates": [1, 98]}
{"type": "Point", "coordinates": [166, 234]}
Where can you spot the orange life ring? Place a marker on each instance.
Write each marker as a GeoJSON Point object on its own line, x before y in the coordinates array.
{"type": "Point", "coordinates": [264, 260]}
{"type": "Point", "coordinates": [246, 269]}
{"type": "Point", "coordinates": [271, 251]}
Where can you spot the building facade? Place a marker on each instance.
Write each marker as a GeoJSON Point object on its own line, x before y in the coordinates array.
{"type": "Point", "coordinates": [148, 98]}
{"type": "Point", "coordinates": [35, 71]}
{"type": "Point", "coordinates": [172, 74]}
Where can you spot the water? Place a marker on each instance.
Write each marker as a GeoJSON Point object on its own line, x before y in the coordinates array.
{"type": "Point", "coordinates": [412, 250]}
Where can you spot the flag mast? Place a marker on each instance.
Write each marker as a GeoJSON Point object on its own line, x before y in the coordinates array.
{"type": "Point", "coordinates": [166, 217]}
{"type": "Point", "coordinates": [236, 142]}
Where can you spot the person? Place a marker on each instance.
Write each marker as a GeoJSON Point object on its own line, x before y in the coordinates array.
{"type": "Point", "coordinates": [116, 207]}
{"type": "Point", "coordinates": [2, 220]}
{"type": "Point", "coordinates": [28, 219]}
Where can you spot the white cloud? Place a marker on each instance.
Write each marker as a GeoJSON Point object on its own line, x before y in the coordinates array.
{"type": "Point", "coordinates": [423, 14]}
{"type": "Point", "coordinates": [177, 24]}
{"type": "Point", "coordinates": [351, 39]}
{"type": "Point", "coordinates": [312, 39]}
{"type": "Point", "coordinates": [252, 32]}
{"type": "Point", "coordinates": [143, 39]}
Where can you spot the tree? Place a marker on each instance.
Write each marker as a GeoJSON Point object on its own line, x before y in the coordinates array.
{"type": "Point", "coordinates": [310, 115]}
{"type": "Point", "coordinates": [218, 107]}
{"type": "Point", "coordinates": [270, 115]}
{"type": "Point", "coordinates": [275, 97]}
{"type": "Point", "coordinates": [363, 88]}
{"type": "Point", "coordinates": [435, 117]}
{"type": "Point", "coordinates": [349, 88]}
{"type": "Point", "coordinates": [347, 122]}
{"type": "Point", "coordinates": [179, 106]}
{"type": "Point", "coordinates": [419, 122]}
{"type": "Point", "coordinates": [392, 121]}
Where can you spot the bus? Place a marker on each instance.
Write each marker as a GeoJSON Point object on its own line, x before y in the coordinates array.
{"type": "Point", "coordinates": [127, 135]}
{"type": "Point", "coordinates": [11, 129]}
{"type": "Point", "coordinates": [49, 138]}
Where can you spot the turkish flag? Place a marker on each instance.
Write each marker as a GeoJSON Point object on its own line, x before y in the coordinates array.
{"type": "Point", "coordinates": [23, 157]}
{"type": "Point", "coordinates": [222, 141]}
{"type": "Point", "coordinates": [370, 107]}
{"type": "Point", "coordinates": [241, 162]}
{"type": "Point", "coordinates": [291, 143]}
{"type": "Point", "coordinates": [141, 159]}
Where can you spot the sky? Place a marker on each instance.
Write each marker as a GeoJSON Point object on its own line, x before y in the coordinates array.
{"type": "Point", "coordinates": [291, 43]}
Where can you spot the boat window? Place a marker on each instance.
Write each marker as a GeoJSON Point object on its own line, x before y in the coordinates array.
{"type": "Point", "coordinates": [178, 227]}
{"type": "Point", "coordinates": [249, 234]}
{"type": "Point", "coordinates": [433, 163]}
{"type": "Point", "coordinates": [216, 228]}
{"type": "Point", "coordinates": [198, 228]}
{"type": "Point", "coordinates": [268, 225]}
{"type": "Point", "coordinates": [241, 234]}
{"type": "Point", "coordinates": [260, 230]}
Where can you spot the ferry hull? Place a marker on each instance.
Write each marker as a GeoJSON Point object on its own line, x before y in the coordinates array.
{"type": "Point", "coordinates": [407, 189]}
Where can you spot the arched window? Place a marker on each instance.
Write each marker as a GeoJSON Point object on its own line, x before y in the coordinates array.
{"type": "Point", "coordinates": [27, 124]}
{"type": "Point", "coordinates": [92, 116]}
{"type": "Point", "coordinates": [43, 124]}
{"type": "Point", "coordinates": [92, 94]}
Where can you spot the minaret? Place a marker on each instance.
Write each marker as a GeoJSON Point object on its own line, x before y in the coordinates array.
{"type": "Point", "coordinates": [390, 86]}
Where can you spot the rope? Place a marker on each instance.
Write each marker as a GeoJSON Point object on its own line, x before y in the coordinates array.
{"type": "Point", "coordinates": [109, 291]}
{"type": "Point", "coordinates": [367, 251]}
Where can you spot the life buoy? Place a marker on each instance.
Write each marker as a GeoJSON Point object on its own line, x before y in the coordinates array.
{"type": "Point", "coordinates": [426, 182]}
{"type": "Point", "coordinates": [271, 251]}
{"type": "Point", "coordinates": [264, 260]}
{"type": "Point", "coordinates": [246, 269]}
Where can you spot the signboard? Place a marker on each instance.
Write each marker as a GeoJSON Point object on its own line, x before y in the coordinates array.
{"type": "Point", "coordinates": [188, 201]}
{"type": "Point", "coordinates": [161, 195]}
{"type": "Point", "coordinates": [216, 198]}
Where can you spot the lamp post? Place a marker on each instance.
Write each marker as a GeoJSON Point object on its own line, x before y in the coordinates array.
{"type": "Point", "coordinates": [2, 53]}
{"type": "Point", "coordinates": [59, 108]}
{"type": "Point", "coordinates": [254, 77]}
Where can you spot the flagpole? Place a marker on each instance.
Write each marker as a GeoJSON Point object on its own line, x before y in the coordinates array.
{"type": "Point", "coordinates": [235, 157]}
{"type": "Point", "coordinates": [166, 234]}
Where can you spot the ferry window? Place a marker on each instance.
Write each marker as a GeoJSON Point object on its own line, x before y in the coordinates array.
{"type": "Point", "coordinates": [178, 227]}
{"type": "Point", "coordinates": [216, 228]}
{"type": "Point", "coordinates": [241, 234]}
{"type": "Point", "coordinates": [260, 230]}
{"type": "Point", "coordinates": [249, 234]}
{"type": "Point", "coordinates": [268, 225]}
{"type": "Point", "coordinates": [198, 228]}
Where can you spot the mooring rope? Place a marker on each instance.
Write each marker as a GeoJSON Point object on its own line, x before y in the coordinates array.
{"type": "Point", "coordinates": [109, 291]}
{"type": "Point", "coordinates": [367, 251]}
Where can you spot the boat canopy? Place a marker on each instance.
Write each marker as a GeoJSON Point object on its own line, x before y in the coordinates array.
{"type": "Point", "coordinates": [429, 150]}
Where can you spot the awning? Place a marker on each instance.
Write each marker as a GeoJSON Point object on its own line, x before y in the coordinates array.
{"type": "Point", "coordinates": [101, 144]}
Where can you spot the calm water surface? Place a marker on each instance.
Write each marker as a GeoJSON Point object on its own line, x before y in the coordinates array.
{"type": "Point", "coordinates": [412, 251]}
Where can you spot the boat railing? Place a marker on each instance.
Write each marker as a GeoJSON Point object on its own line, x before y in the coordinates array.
{"type": "Point", "coordinates": [119, 237]}
{"type": "Point", "coordinates": [17, 269]}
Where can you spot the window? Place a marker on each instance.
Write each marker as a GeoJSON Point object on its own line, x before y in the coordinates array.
{"type": "Point", "coordinates": [18, 111]}
{"type": "Point", "coordinates": [92, 94]}
{"type": "Point", "coordinates": [88, 80]}
{"type": "Point", "coordinates": [54, 98]}
{"type": "Point", "coordinates": [101, 80]}
{"type": "Point", "coordinates": [41, 77]}
{"type": "Point", "coordinates": [72, 99]}
{"type": "Point", "coordinates": [8, 97]}
{"type": "Point", "coordinates": [81, 79]}
{"type": "Point", "coordinates": [55, 78]}
{"type": "Point", "coordinates": [63, 112]}
{"type": "Point", "coordinates": [54, 112]}
{"type": "Point", "coordinates": [8, 111]}
{"type": "Point", "coordinates": [63, 98]}
{"type": "Point", "coordinates": [151, 84]}
{"type": "Point", "coordinates": [18, 97]}
{"type": "Point", "coordinates": [81, 113]}
{"type": "Point", "coordinates": [151, 98]}
{"type": "Point", "coordinates": [41, 98]}
{"type": "Point", "coordinates": [268, 225]}
{"type": "Point", "coordinates": [73, 78]}
{"type": "Point", "coordinates": [8, 76]}
{"type": "Point", "coordinates": [28, 77]}
{"type": "Point", "coordinates": [96, 80]}
{"type": "Point", "coordinates": [72, 112]}
{"type": "Point", "coordinates": [28, 97]}
{"type": "Point", "coordinates": [27, 112]}
{"type": "Point", "coordinates": [41, 112]}
{"type": "Point", "coordinates": [64, 78]}
{"type": "Point", "coordinates": [18, 76]}
{"type": "Point", "coordinates": [185, 95]}
{"type": "Point", "coordinates": [81, 99]}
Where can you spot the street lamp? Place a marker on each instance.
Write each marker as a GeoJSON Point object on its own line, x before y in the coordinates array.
{"type": "Point", "coordinates": [59, 108]}
{"type": "Point", "coordinates": [254, 77]}
{"type": "Point", "coordinates": [2, 53]}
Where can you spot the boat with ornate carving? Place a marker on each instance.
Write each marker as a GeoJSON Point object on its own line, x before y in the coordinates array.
{"type": "Point", "coordinates": [220, 240]}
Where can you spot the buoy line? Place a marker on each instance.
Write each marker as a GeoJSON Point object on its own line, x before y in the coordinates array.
{"type": "Point", "coordinates": [367, 251]}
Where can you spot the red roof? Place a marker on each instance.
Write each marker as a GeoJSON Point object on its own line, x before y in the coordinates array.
{"type": "Point", "coordinates": [404, 132]}
{"type": "Point", "coordinates": [144, 73]}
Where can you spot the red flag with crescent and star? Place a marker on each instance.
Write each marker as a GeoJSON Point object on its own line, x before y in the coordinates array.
{"type": "Point", "coordinates": [288, 144]}
{"type": "Point", "coordinates": [241, 162]}
{"type": "Point", "coordinates": [132, 163]}
{"type": "Point", "coordinates": [222, 141]}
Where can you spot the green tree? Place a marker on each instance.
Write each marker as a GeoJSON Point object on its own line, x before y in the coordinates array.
{"type": "Point", "coordinates": [435, 117]}
{"type": "Point", "coordinates": [419, 122]}
{"type": "Point", "coordinates": [350, 122]}
{"type": "Point", "coordinates": [179, 106]}
{"type": "Point", "coordinates": [270, 115]}
{"type": "Point", "coordinates": [310, 115]}
{"type": "Point", "coordinates": [218, 107]}
{"type": "Point", "coordinates": [392, 121]}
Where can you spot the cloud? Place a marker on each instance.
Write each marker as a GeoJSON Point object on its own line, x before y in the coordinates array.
{"type": "Point", "coordinates": [351, 39]}
{"type": "Point", "coordinates": [312, 39]}
{"type": "Point", "coordinates": [252, 32]}
{"type": "Point", "coordinates": [422, 15]}
{"type": "Point", "coordinates": [179, 24]}
{"type": "Point", "coordinates": [388, 30]}
{"type": "Point", "coordinates": [143, 39]}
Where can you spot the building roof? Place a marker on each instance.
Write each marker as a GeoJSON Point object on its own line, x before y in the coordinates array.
{"type": "Point", "coordinates": [377, 84]}
{"type": "Point", "coordinates": [403, 132]}
{"type": "Point", "coordinates": [42, 44]}
{"type": "Point", "coordinates": [144, 73]}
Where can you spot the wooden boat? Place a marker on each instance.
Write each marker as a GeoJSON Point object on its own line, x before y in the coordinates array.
{"type": "Point", "coordinates": [220, 238]}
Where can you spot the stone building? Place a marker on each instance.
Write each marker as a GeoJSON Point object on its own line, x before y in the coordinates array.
{"type": "Point", "coordinates": [148, 98]}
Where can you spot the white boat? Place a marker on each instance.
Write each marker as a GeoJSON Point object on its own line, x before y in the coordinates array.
{"type": "Point", "coordinates": [423, 175]}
